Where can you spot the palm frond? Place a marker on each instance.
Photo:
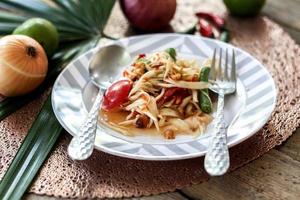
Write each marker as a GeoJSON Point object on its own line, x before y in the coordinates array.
{"type": "Point", "coordinates": [83, 17]}
{"type": "Point", "coordinates": [11, 18]}
{"type": "Point", "coordinates": [32, 153]}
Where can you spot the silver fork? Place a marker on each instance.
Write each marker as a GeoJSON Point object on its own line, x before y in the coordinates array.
{"type": "Point", "coordinates": [223, 80]}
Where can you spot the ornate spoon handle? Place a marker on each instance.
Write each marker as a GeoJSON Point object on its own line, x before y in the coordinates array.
{"type": "Point", "coordinates": [82, 145]}
{"type": "Point", "coordinates": [216, 160]}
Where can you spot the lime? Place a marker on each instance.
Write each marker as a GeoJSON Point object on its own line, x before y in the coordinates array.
{"type": "Point", "coordinates": [42, 31]}
{"type": "Point", "coordinates": [244, 7]}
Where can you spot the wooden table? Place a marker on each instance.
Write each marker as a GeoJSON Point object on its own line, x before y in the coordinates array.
{"type": "Point", "coordinates": [268, 177]}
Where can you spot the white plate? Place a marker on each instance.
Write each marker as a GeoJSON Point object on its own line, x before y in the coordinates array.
{"type": "Point", "coordinates": [245, 112]}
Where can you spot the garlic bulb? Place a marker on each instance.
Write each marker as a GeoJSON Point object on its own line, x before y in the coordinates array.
{"type": "Point", "coordinates": [23, 65]}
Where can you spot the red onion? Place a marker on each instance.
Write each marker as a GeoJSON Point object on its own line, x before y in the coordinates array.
{"type": "Point", "coordinates": [149, 15]}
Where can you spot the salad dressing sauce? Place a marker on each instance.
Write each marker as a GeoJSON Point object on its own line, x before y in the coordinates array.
{"type": "Point", "coordinates": [116, 117]}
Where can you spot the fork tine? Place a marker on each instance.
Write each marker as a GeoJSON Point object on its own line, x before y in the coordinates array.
{"type": "Point", "coordinates": [219, 70]}
{"type": "Point", "coordinates": [226, 66]}
{"type": "Point", "coordinates": [213, 67]}
{"type": "Point", "coordinates": [233, 68]}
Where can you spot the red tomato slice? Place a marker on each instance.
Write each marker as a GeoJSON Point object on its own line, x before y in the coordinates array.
{"type": "Point", "coordinates": [116, 94]}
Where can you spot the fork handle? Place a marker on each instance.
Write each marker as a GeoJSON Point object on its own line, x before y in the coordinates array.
{"type": "Point", "coordinates": [82, 145]}
{"type": "Point", "coordinates": [216, 160]}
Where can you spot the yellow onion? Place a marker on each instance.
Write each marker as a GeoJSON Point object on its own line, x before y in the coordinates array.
{"type": "Point", "coordinates": [23, 65]}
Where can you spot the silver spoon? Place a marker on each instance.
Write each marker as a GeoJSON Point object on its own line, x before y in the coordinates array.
{"type": "Point", "coordinates": [104, 65]}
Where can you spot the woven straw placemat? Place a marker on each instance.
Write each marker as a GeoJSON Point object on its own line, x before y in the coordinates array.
{"type": "Point", "coordinates": [105, 175]}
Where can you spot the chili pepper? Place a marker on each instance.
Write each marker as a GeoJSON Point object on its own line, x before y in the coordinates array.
{"type": "Point", "coordinates": [205, 28]}
{"type": "Point", "coordinates": [217, 20]}
{"type": "Point", "coordinates": [141, 55]}
{"type": "Point", "coordinates": [216, 32]}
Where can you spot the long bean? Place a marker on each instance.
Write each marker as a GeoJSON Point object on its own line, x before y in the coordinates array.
{"type": "Point", "coordinates": [203, 95]}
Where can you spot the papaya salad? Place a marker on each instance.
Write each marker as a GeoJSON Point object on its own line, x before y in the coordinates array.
{"type": "Point", "coordinates": [160, 92]}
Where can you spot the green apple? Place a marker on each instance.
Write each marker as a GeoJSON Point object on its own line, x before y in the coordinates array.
{"type": "Point", "coordinates": [42, 31]}
{"type": "Point", "coordinates": [244, 7]}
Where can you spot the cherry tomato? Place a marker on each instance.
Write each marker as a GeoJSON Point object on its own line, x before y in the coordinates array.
{"type": "Point", "coordinates": [116, 94]}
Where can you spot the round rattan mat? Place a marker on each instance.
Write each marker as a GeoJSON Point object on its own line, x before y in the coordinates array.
{"type": "Point", "coordinates": [105, 175]}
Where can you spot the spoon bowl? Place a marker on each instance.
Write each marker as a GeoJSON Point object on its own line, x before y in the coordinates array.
{"type": "Point", "coordinates": [106, 63]}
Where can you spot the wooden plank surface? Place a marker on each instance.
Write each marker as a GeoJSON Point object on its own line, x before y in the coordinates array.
{"type": "Point", "coordinates": [292, 146]}
{"type": "Point", "coordinates": [287, 14]}
{"type": "Point", "coordinates": [276, 175]}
